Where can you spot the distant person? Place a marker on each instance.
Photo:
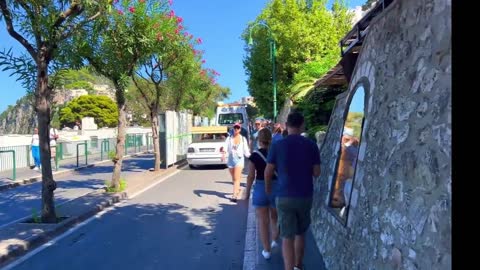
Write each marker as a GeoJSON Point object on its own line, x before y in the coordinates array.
{"type": "Point", "coordinates": [53, 133]}
{"type": "Point", "coordinates": [254, 137]}
{"type": "Point", "coordinates": [263, 203]}
{"type": "Point", "coordinates": [277, 132]}
{"type": "Point", "coordinates": [77, 126]}
{"type": "Point", "coordinates": [237, 148]}
{"type": "Point", "coordinates": [296, 160]}
{"type": "Point", "coordinates": [345, 170]}
{"type": "Point", "coordinates": [36, 149]}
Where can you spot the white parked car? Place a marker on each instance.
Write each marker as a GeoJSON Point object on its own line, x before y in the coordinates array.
{"type": "Point", "coordinates": [208, 147]}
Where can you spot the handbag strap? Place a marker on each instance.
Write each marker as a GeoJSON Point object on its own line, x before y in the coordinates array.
{"type": "Point", "coordinates": [264, 159]}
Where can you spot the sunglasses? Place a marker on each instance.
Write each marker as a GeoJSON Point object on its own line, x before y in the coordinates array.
{"type": "Point", "coordinates": [236, 127]}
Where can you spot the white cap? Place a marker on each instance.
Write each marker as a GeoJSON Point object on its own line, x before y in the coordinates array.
{"type": "Point", "coordinates": [348, 131]}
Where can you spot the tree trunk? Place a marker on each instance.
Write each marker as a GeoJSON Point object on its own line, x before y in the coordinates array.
{"type": "Point", "coordinates": [43, 113]}
{"type": "Point", "coordinates": [120, 148]}
{"type": "Point", "coordinates": [156, 143]}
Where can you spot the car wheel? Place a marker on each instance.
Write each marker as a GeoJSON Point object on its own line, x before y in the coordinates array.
{"type": "Point", "coordinates": [191, 166]}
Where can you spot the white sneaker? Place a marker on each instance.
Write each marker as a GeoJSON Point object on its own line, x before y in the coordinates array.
{"type": "Point", "coordinates": [274, 244]}
{"type": "Point", "coordinates": [35, 169]}
{"type": "Point", "coordinates": [266, 254]}
{"type": "Point", "coordinates": [296, 268]}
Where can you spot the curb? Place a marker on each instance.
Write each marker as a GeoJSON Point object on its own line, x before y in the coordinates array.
{"type": "Point", "coordinates": [250, 251]}
{"type": "Point", "coordinates": [38, 178]}
{"type": "Point", "coordinates": [43, 237]}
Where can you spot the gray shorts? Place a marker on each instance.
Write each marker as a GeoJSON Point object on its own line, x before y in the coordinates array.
{"type": "Point", "coordinates": [293, 215]}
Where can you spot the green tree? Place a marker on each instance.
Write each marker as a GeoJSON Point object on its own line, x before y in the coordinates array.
{"type": "Point", "coordinates": [43, 28]}
{"type": "Point", "coordinates": [102, 108]}
{"type": "Point", "coordinates": [115, 45]}
{"type": "Point", "coordinates": [304, 32]}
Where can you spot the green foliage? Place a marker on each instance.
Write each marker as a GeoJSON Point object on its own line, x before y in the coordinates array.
{"type": "Point", "coordinates": [35, 216]}
{"type": "Point", "coordinates": [317, 107]}
{"type": "Point", "coordinates": [305, 32]}
{"type": "Point", "coordinates": [111, 154]}
{"type": "Point", "coordinates": [109, 188]}
{"type": "Point", "coordinates": [252, 112]}
{"type": "Point", "coordinates": [102, 108]}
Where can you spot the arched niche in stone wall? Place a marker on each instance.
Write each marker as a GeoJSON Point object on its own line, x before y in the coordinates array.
{"type": "Point", "coordinates": [347, 159]}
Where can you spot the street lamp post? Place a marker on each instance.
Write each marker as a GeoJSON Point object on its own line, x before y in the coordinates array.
{"type": "Point", "coordinates": [272, 56]}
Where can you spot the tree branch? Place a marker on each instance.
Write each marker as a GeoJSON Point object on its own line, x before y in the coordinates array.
{"type": "Point", "coordinates": [11, 30]}
{"type": "Point", "coordinates": [74, 9]}
{"type": "Point", "coordinates": [73, 28]}
{"type": "Point", "coordinates": [143, 93]}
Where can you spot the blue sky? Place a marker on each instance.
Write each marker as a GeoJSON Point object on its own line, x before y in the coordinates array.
{"type": "Point", "coordinates": [218, 22]}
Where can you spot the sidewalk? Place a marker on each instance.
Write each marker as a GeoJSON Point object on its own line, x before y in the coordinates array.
{"type": "Point", "coordinates": [28, 176]}
{"type": "Point", "coordinates": [18, 238]}
{"type": "Point", "coordinates": [254, 260]}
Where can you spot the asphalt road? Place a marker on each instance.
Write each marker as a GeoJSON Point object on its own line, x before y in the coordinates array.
{"type": "Point", "coordinates": [185, 222]}
{"type": "Point", "coordinates": [22, 201]}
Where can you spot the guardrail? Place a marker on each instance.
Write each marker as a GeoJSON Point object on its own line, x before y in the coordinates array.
{"type": "Point", "coordinates": [86, 152]}
{"type": "Point", "coordinates": [67, 154]}
{"type": "Point", "coordinates": [14, 177]}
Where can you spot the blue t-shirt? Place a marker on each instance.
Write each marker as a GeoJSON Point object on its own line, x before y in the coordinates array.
{"type": "Point", "coordinates": [294, 157]}
{"type": "Point", "coordinates": [276, 137]}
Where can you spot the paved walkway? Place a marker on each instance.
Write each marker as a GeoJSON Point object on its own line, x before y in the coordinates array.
{"type": "Point", "coordinates": [253, 247]}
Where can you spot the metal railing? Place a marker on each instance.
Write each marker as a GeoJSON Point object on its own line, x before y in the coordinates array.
{"type": "Point", "coordinates": [68, 155]}
{"type": "Point", "coordinates": [14, 176]}
{"type": "Point", "coordinates": [86, 152]}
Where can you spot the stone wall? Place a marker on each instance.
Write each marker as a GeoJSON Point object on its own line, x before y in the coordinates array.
{"type": "Point", "coordinates": [400, 216]}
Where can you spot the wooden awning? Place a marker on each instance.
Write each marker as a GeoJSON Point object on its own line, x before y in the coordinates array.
{"type": "Point", "coordinates": [334, 77]}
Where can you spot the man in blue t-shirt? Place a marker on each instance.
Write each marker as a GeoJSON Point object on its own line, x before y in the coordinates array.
{"type": "Point", "coordinates": [296, 160]}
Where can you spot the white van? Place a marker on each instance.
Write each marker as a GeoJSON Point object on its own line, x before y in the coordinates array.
{"type": "Point", "coordinates": [229, 114]}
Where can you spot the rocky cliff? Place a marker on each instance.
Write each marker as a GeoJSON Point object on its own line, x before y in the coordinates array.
{"type": "Point", "coordinates": [18, 119]}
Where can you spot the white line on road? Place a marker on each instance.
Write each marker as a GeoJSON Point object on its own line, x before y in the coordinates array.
{"type": "Point", "coordinates": [73, 229]}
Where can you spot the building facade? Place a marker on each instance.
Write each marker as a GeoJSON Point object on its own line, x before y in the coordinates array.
{"type": "Point", "coordinates": [383, 200]}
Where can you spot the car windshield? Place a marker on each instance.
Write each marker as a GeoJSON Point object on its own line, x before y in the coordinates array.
{"type": "Point", "coordinates": [210, 137]}
{"type": "Point", "coordinates": [230, 118]}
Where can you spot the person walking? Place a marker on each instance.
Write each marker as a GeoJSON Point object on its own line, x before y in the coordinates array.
{"type": "Point", "coordinates": [36, 149]}
{"type": "Point", "coordinates": [237, 148]}
{"type": "Point", "coordinates": [277, 132]}
{"type": "Point", "coordinates": [264, 204]}
{"type": "Point", "coordinates": [296, 160]}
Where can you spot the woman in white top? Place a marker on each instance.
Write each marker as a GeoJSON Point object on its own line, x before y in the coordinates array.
{"type": "Point", "coordinates": [237, 148]}
{"type": "Point", "coordinates": [36, 149]}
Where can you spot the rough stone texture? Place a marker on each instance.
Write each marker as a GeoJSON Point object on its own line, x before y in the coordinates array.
{"type": "Point", "coordinates": [400, 216]}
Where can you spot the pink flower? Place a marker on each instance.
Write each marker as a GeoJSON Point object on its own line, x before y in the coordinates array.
{"type": "Point", "coordinates": [199, 40]}
{"type": "Point", "coordinates": [179, 19]}
{"type": "Point", "coordinates": [185, 34]}
{"type": "Point", "coordinates": [195, 52]}
{"type": "Point", "coordinates": [177, 31]}
{"type": "Point", "coordinates": [180, 27]}
{"type": "Point", "coordinates": [120, 12]}
{"type": "Point", "coordinates": [131, 9]}
{"type": "Point", "coordinates": [170, 2]}
{"type": "Point", "coordinates": [203, 61]}
{"type": "Point", "coordinates": [115, 1]}
{"type": "Point", "coordinates": [171, 14]}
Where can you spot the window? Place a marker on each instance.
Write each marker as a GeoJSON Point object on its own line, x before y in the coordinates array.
{"type": "Point", "coordinates": [230, 118]}
{"type": "Point", "coordinates": [347, 160]}
{"type": "Point", "coordinates": [210, 137]}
